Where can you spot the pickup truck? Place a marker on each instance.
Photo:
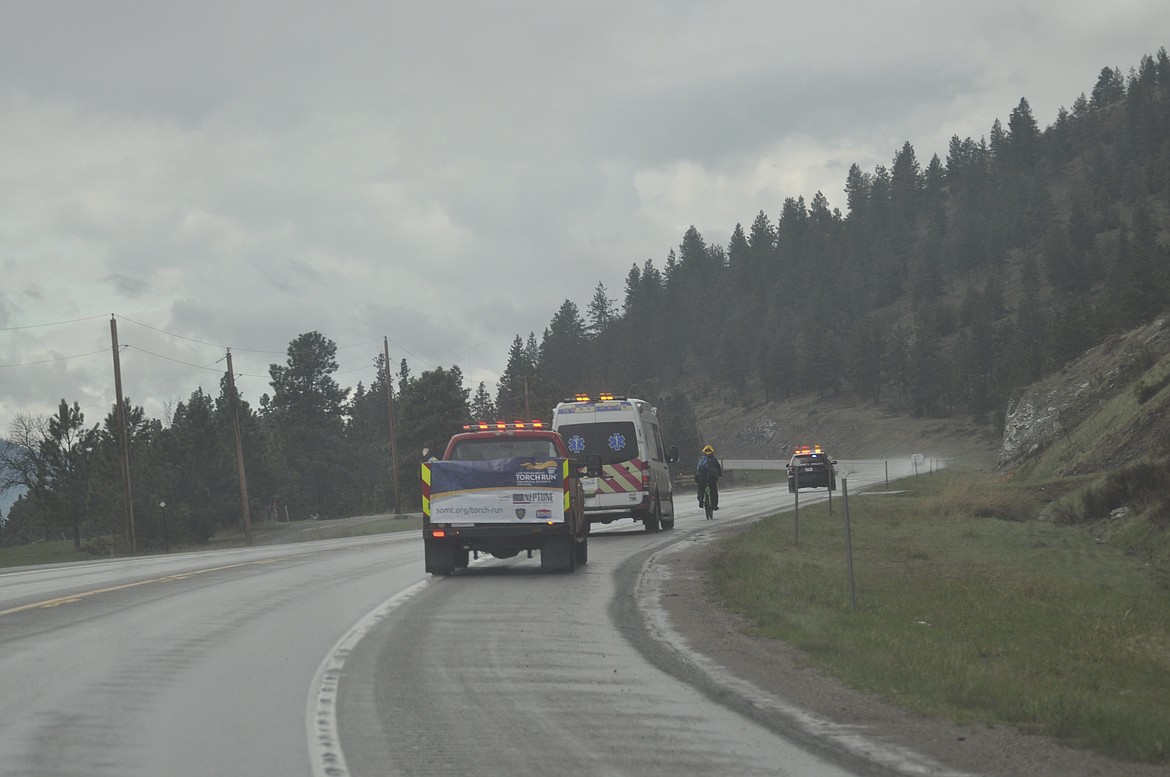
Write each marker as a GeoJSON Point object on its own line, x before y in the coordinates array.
{"type": "Point", "coordinates": [504, 489]}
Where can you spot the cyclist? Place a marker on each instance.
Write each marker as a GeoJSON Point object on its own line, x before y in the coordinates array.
{"type": "Point", "coordinates": [707, 474]}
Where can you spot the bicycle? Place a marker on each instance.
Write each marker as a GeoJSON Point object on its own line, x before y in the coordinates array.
{"type": "Point", "coordinates": [707, 500]}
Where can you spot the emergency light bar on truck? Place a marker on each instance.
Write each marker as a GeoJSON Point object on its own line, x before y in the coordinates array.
{"type": "Point", "coordinates": [486, 426]}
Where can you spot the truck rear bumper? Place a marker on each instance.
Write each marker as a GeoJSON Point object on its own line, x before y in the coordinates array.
{"type": "Point", "coordinates": [493, 537]}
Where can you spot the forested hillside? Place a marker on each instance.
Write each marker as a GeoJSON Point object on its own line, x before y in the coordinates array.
{"type": "Point", "coordinates": [945, 289]}
{"type": "Point", "coordinates": [948, 285]}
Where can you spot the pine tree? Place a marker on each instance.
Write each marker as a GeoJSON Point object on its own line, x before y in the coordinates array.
{"type": "Point", "coordinates": [1023, 136]}
{"type": "Point", "coordinates": [307, 414]}
{"type": "Point", "coordinates": [512, 389]}
{"type": "Point", "coordinates": [562, 353]}
{"type": "Point", "coordinates": [482, 406]}
{"type": "Point", "coordinates": [601, 311]}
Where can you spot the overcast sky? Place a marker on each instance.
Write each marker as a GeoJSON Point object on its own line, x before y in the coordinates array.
{"type": "Point", "coordinates": [234, 174]}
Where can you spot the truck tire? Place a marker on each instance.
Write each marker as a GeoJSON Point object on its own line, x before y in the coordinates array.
{"type": "Point", "coordinates": [462, 557]}
{"type": "Point", "coordinates": [557, 555]}
{"type": "Point", "coordinates": [581, 551]}
{"type": "Point", "coordinates": [440, 559]}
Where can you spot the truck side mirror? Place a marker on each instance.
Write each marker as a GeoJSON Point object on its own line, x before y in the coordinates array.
{"type": "Point", "coordinates": [672, 455]}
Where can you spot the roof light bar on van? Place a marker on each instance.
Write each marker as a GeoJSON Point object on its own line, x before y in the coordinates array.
{"type": "Point", "coordinates": [604, 396]}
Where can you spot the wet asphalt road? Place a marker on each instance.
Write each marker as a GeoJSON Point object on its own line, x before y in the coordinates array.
{"type": "Point", "coordinates": [341, 657]}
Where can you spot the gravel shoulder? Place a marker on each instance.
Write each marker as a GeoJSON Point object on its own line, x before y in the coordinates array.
{"type": "Point", "coordinates": [780, 670]}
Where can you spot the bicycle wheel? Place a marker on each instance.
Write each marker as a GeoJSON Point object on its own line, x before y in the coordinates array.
{"type": "Point", "coordinates": [707, 503]}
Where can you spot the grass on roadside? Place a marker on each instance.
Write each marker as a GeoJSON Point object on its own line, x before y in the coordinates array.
{"type": "Point", "coordinates": [305, 531]}
{"type": "Point", "coordinates": [62, 551]}
{"type": "Point", "coordinates": [975, 613]}
{"type": "Point", "coordinates": [46, 552]}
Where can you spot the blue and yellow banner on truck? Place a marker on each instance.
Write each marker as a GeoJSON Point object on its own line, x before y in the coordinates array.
{"type": "Point", "coordinates": [517, 490]}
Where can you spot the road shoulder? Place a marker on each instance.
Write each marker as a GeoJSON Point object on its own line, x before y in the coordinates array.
{"type": "Point", "coordinates": [780, 671]}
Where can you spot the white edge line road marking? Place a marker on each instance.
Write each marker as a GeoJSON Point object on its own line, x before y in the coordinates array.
{"type": "Point", "coordinates": [321, 711]}
{"type": "Point", "coordinates": [648, 595]}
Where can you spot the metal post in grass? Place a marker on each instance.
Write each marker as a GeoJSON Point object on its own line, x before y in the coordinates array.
{"type": "Point", "coordinates": [849, 545]}
{"type": "Point", "coordinates": [796, 507]}
{"type": "Point", "coordinates": [166, 534]}
{"type": "Point", "coordinates": [887, 475]}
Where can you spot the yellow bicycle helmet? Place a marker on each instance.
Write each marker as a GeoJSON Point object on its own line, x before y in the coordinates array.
{"type": "Point", "coordinates": [708, 449]}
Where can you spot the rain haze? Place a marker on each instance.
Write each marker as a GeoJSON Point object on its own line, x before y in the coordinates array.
{"type": "Point", "coordinates": [445, 174]}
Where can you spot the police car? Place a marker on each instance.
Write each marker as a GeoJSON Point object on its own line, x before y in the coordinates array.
{"type": "Point", "coordinates": [811, 467]}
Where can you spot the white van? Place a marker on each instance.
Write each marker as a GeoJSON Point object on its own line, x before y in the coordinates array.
{"type": "Point", "coordinates": [624, 435]}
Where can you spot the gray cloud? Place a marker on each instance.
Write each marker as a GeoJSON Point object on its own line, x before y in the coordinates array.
{"type": "Point", "coordinates": [447, 173]}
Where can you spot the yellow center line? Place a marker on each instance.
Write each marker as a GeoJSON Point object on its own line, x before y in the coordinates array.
{"type": "Point", "coordinates": [71, 598]}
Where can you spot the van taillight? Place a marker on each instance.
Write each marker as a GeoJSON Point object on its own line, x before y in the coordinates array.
{"type": "Point", "coordinates": [438, 533]}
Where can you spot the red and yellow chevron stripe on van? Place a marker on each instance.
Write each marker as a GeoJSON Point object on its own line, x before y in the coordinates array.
{"type": "Point", "coordinates": [623, 478]}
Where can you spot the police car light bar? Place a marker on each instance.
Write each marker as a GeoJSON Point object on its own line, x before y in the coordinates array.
{"type": "Point", "coordinates": [805, 449]}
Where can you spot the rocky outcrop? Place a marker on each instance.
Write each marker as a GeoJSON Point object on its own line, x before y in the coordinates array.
{"type": "Point", "coordinates": [1057, 404]}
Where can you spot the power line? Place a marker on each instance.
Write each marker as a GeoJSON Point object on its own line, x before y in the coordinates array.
{"type": "Point", "coordinates": [193, 339]}
{"type": "Point", "coordinates": [55, 359]}
{"type": "Point", "coordinates": [355, 369]}
{"type": "Point", "coordinates": [188, 339]}
{"type": "Point", "coordinates": [236, 348]}
{"type": "Point", "coordinates": [355, 345]}
{"type": "Point", "coordinates": [208, 367]}
{"type": "Point", "coordinates": [408, 353]}
{"type": "Point", "coordinates": [54, 323]}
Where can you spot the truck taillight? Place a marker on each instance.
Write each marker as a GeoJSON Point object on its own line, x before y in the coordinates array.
{"type": "Point", "coordinates": [645, 480]}
{"type": "Point", "coordinates": [438, 533]}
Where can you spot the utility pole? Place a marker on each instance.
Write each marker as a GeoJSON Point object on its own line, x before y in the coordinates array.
{"type": "Point", "coordinates": [245, 515]}
{"type": "Point", "coordinates": [123, 442]}
{"type": "Point", "coordinates": [393, 438]}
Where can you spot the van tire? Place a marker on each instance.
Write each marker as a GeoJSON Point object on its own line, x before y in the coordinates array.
{"type": "Point", "coordinates": [654, 519]}
{"type": "Point", "coordinates": [666, 523]}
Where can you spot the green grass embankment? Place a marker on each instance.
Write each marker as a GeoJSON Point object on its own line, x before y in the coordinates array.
{"type": "Point", "coordinates": [969, 608]}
